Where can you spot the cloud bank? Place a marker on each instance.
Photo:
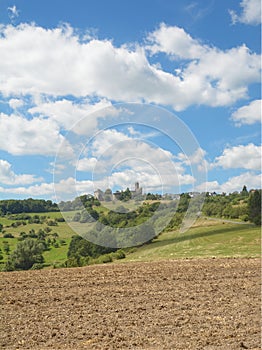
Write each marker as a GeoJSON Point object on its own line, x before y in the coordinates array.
{"type": "Point", "coordinates": [59, 62]}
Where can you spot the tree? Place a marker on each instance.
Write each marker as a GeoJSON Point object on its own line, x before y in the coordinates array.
{"type": "Point", "coordinates": [41, 235]}
{"type": "Point", "coordinates": [8, 235]}
{"type": "Point", "coordinates": [32, 233]}
{"type": "Point", "coordinates": [1, 255]}
{"type": "Point", "coordinates": [125, 195]}
{"type": "Point", "coordinates": [14, 206]}
{"type": "Point", "coordinates": [94, 214]}
{"type": "Point", "coordinates": [244, 191]}
{"type": "Point", "coordinates": [80, 247]}
{"type": "Point", "coordinates": [26, 254]}
{"type": "Point", "coordinates": [183, 203]}
{"type": "Point", "coordinates": [6, 247]}
{"type": "Point", "coordinates": [254, 207]}
{"type": "Point", "coordinates": [47, 229]}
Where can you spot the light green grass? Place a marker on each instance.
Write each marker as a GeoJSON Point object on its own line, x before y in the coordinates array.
{"type": "Point", "coordinates": [222, 240]}
{"type": "Point", "coordinates": [129, 205]}
{"type": "Point", "coordinates": [5, 221]}
{"type": "Point", "coordinates": [12, 244]}
{"type": "Point", "coordinates": [63, 229]}
{"type": "Point", "coordinates": [54, 255]}
{"type": "Point", "coordinates": [49, 214]}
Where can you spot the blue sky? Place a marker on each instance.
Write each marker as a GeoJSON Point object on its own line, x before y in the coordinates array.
{"type": "Point", "coordinates": [70, 69]}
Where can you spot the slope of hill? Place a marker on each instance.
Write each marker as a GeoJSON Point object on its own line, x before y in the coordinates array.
{"type": "Point", "coordinates": [206, 239]}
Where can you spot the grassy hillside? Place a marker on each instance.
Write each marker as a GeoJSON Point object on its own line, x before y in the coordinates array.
{"type": "Point", "coordinates": [206, 239]}
{"type": "Point", "coordinates": [55, 254]}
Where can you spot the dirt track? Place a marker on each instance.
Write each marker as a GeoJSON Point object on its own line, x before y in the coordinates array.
{"type": "Point", "coordinates": [181, 304]}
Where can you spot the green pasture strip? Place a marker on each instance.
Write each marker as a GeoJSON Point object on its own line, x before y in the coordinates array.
{"type": "Point", "coordinates": [56, 255]}
{"type": "Point", "coordinates": [223, 240]}
{"type": "Point", "coordinates": [63, 229]}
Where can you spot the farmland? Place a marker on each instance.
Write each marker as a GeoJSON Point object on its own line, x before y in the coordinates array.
{"type": "Point", "coordinates": [183, 304]}
{"type": "Point", "coordinates": [186, 291]}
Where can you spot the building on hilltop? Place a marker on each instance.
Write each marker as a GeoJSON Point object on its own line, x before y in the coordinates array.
{"type": "Point", "coordinates": [99, 194]}
{"type": "Point", "coordinates": [109, 196]}
{"type": "Point", "coordinates": [137, 191]}
{"type": "Point", "coordinates": [117, 195]}
{"type": "Point", "coordinates": [134, 193]}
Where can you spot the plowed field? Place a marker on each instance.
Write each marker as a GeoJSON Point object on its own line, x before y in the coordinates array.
{"type": "Point", "coordinates": [178, 304]}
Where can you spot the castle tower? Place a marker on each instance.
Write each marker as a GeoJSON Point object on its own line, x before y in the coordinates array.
{"type": "Point", "coordinates": [137, 187]}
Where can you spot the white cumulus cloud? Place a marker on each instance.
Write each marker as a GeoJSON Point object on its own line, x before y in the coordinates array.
{"type": "Point", "coordinates": [13, 12]}
{"type": "Point", "coordinates": [249, 114]}
{"type": "Point", "coordinates": [212, 76]}
{"type": "Point", "coordinates": [198, 157]}
{"type": "Point", "coordinates": [20, 136]}
{"type": "Point", "coordinates": [251, 12]}
{"type": "Point", "coordinates": [120, 160]}
{"type": "Point", "coordinates": [8, 176]}
{"type": "Point", "coordinates": [68, 189]}
{"type": "Point", "coordinates": [235, 183]}
{"type": "Point", "coordinates": [15, 103]}
{"type": "Point", "coordinates": [243, 157]}
{"type": "Point", "coordinates": [67, 114]}
{"type": "Point", "coordinates": [175, 41]}
{"type": "Point", "coordinates": [58, 62]}
{"type": "Point", "coordinates": [86, 164]}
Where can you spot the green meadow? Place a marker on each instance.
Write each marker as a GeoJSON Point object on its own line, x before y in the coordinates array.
{"type": "Point", "coordinates": [208, 238]}
{"type": "Point", "coordinates": [62, 229]}
{"type": "Point", "coordinates": [214, 239]}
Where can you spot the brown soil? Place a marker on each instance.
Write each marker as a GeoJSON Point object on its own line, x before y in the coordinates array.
{"type": "Point", "coordinates": [180, 304]}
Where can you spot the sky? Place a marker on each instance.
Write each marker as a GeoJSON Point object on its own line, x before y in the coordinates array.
{"type": "Point", "coordinates": [98, 94]}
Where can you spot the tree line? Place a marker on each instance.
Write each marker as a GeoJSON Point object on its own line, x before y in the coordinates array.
{"type": "Point", "coordinates": [16, 206]}
{"type": "Point", "coordinates": [244, 205]}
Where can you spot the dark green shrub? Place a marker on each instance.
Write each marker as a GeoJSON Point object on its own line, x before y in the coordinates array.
{"type": "Point", "coordinates": [37, 266]}
{"type": "Point", "coordinates": [120, 254]}
{"type": "Point", "coordinates": [6, 247]}
{"type": "Point", "coordinates": [8, 235]}
{"type": "Point", "coordinates": [104, 259]}
{"type": "Point", "coordinates": [1, 255]}
{"type": "Point", "coordinates": [51, 223]}
{"type": "Point", "coordinates": [62, 242]}
{"type": "Point", "coordinates": [254, 207]}
{"type": "Point", "coordinates": [27, 253]}
{"type": "Point", "coordinates": [60, 219]}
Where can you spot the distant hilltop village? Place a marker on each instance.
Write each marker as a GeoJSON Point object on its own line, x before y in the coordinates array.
{"type": "Point", "coordinates": [108, 195]}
